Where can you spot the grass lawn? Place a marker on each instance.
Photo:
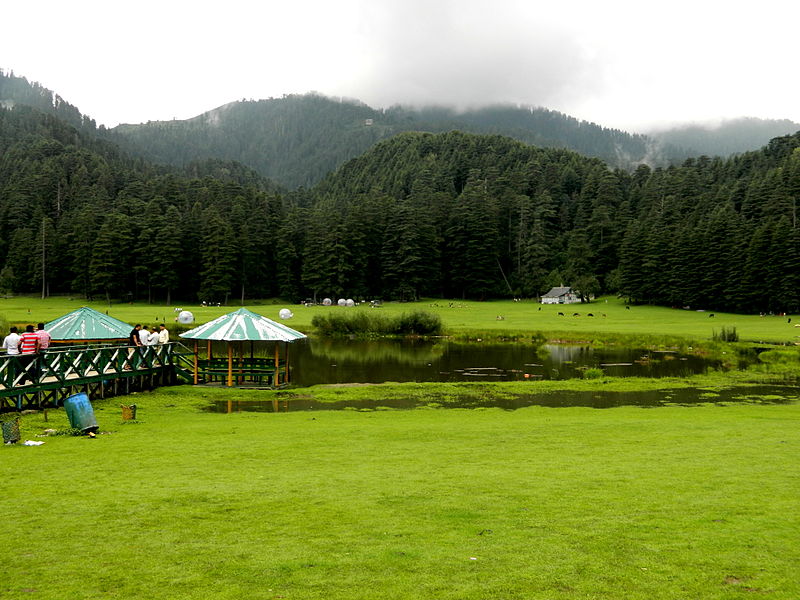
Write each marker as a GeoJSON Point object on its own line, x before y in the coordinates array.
{"type": "Point", "coordinates": [630, 503]}
{"type": "Point", "coordinates": [465, 317]}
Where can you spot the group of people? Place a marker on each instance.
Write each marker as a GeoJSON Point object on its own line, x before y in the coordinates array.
{"type": "Point", "coordinates": [29, 342]}
{"type": "Point", "coordinates": [141, 336]}
{"type": "Point", "coordinates": [27, 345]}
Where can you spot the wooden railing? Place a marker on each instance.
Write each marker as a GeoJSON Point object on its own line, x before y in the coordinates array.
{"type": "Point", "coordinates": [44, 379]}
{"type": "Point", "coordinates": [50, 374]}
{"type": "Point", "coordinates": [243, 371]}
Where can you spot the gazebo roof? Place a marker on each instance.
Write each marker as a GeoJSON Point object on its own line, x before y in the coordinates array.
{"type": "Point", "coordinates": [87, 324]}
{"type": "Point", "coordinates": [243, 325]}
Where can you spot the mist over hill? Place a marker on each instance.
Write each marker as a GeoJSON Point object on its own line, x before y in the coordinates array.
{"type": "Point", "coordinates": [297, 139]}
{"type": "Point", "coordinates": [727, 137]}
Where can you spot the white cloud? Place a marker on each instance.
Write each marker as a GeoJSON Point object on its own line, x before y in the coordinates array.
{"type": "Point", "coordinates": [622, 64]}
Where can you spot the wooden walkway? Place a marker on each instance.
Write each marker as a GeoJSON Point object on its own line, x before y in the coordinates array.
{"type": "Point", "coordinates": [45, 379]}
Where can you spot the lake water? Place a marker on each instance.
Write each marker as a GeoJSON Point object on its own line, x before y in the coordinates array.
{"type": "Point", "coordinates": [347, 362]}
{"type": "Point", "coordinates": [323, 361]}
{"type": "Point", "coordinates": [766, 394]}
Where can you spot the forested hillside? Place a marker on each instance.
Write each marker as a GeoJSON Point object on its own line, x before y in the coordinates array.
{"type": "Point", "coordinates": [460, 215]}
{"type": "Point", "coordinates": [296, 140]}
{"type": "Point", "coordinates": [79, 217]}
{"type": "Point", "coordinates": [419, 214]}
{"type": "Point", "coordinates": [19, 91]}
{"type": "Point", "coordinates": [726, 138]}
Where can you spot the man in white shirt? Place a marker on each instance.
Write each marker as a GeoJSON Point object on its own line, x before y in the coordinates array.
{"type": "Point", "coordinates": [163, 334]}
{"type": "Point", "coordinates": [11, 342]}
{"type": "Point", "coordinates": [143, 335]}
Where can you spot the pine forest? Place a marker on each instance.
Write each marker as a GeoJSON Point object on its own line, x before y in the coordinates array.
{"type": "Point", "coordinates": [417, 214]}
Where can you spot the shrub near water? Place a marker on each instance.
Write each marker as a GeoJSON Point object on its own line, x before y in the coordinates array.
{"type": "Point", "coordinates": [728, 334]}
{"type": "Point", "coordinates": [593, 373]}
{"type": "Point", "coordinates": [367, 324]}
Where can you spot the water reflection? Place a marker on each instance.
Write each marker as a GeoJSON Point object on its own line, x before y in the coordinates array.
{"type": "Point", "coordinates": [377, 361]}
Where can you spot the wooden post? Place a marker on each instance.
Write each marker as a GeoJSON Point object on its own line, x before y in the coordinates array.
{"type": "Point", "coordinates": [196, 375]}
{"type": "Point", "coordinates": [277, 366]}
{"type": "Point", "coordinates": [240, 379]}
{"type": "Point", "coordinates": [286, 358]}
{"type": "Point", "coordinates": [208, 350]}
{"type": "Point", "coordinates": [230, 365]}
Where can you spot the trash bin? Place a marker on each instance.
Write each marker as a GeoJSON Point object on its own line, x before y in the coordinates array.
{"type": "Point", "coordinates": [11, 431]}
{"type": "Point", "coordinates": [128, 412]}
{"type": "Point", "coordinates": [80, 413]}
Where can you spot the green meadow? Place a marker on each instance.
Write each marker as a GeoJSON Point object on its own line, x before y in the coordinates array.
{"type": "Point", "coordinates": [465, 318]}
{"type": "Point", "coordinates": [672, 502]}
{"type": "Point", "coordinates": [632, 503]}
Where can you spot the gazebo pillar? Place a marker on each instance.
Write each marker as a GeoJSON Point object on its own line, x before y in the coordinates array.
{"type": "Point", "coordinates": [277, 365]}
{"type": "Point", "coordinates": [286, 358]}
{"type": "Point", "coordinates": [230, 364]}
{"type": "Point", "coordinates": [196, 378]}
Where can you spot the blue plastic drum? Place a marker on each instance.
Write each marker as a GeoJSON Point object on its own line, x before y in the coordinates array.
{"type": "Point", "coordinates": [80, 413]}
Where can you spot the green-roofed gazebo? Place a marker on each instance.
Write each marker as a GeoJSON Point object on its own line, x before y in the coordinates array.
{"type": "Point", "coordinates": [238, 327]}
{"type": "Point", "coordinates": [87, 325]}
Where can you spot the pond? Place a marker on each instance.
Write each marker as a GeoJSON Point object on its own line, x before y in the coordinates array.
{"type": "Point", "coordinates": [324, 361]}
{"type": "Point", "coordinates": [766, 394]}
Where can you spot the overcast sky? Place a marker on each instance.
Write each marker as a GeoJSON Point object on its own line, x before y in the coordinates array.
{"type": "Point", "coordinates": [625, 64]}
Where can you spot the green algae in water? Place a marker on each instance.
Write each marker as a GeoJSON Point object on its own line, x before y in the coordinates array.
{"type": "Point", "coordinates": [512, 401]}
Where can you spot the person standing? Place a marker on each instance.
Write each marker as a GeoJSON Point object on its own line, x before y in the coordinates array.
{"type": "Point", "coordinates": [11, 342]}
{"type": "Point", "coordinates": [28, 347]}
{"type": "Point", "coordinates": [144, 335]}
{"type": "Point", "coordinates": [44, 337]}
{"type": "Point", "coordinates": [134, 341]}
{"type": "Point", "coordinates": [11, 346]}
{"type": "Point", "coordinates": [29, 341]}
{"type": "Point", "coordinates": [44, 344]}
{"type": "Point", "coordinates": [163, 334]}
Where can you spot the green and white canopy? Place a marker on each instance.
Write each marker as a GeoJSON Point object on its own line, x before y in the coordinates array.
{"type": "Point", "coordinates": [243, 325]}
{"type": "Point", "coordinates": [87, 324]}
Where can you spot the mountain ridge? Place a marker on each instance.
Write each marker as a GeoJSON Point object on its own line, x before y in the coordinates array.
{"type": "Point", "coordinates": [297, 139]}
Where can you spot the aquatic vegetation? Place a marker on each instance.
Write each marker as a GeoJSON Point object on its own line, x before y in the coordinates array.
{"type": "Point", "coordinates": [593, 373]}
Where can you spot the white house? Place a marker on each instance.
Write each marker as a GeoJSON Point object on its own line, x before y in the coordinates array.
{"type": "Point", "coordinates": [560, 295]}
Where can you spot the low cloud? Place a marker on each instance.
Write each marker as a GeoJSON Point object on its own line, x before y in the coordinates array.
{"type": "Point", "coordinates": [463, 54]}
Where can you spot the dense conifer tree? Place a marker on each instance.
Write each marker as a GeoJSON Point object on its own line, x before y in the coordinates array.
{"type": "Point", "coordinates": [219, 268]}
{"type": "Point", "coordinates": [420, 214]}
